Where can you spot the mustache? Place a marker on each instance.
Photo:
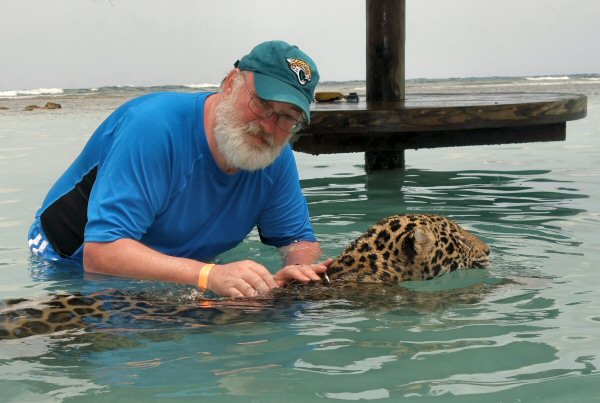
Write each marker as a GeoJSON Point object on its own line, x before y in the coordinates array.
{"type": "Point", "coordinates": [254, 129]}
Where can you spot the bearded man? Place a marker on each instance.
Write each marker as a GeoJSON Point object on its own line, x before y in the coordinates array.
{"type": "Point", "coordinates": [170, 180]}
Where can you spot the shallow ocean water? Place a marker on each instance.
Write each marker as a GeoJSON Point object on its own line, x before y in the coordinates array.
{"type": "Point", "coordinates": [525, 329]}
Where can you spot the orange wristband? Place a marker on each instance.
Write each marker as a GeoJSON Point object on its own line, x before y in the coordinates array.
{"type": "Point", "coordinates": [203, 276]}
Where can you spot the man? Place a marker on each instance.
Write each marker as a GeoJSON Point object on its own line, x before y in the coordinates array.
{"type": "Point", "coordinates": [170, 180]}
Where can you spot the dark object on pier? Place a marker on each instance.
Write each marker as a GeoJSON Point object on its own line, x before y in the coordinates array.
{"type": "Point", "coordinates": [352, 97]}
{"type": "Point", "coordinates": [391, 122]}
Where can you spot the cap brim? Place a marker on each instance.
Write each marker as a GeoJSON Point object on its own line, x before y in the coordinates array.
{"type": "Point", "coordinates": [272, 89]}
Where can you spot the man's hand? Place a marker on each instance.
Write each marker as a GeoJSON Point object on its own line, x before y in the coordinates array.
{"type": "Point", "coordinates": [240, 279]}
{"type": "Point", "coordinates": [301, 272]}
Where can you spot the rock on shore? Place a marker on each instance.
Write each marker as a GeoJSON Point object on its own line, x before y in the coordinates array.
{"type": "Point", "coordinates": [49, 105]}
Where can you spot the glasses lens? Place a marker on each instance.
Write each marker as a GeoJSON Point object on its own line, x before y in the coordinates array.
{"type": "Point", "coordinates": [264, 110]}
{"type": "Point", "coordinates": [296, 128]}
{"type": "Point", "coordinates": [260, 108]}
{"type": "Point", "coordinates": [288, 124]}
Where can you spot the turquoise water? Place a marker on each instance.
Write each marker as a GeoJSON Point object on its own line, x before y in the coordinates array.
{"type": "Point", "coordinates": [526, 329]}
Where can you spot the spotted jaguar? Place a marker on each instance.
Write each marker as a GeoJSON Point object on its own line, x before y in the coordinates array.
{"type": "Point", "coordinates": [398, 248]}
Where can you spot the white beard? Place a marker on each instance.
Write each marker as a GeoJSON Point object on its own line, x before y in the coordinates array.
{"type": "Point", "coordinates": [235, 143]}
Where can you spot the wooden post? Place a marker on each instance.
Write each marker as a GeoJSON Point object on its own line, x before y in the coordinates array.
{"type": "Point", "coordinates": [385, 50]}
{"type": "Point", "coordinates": [386, 37]}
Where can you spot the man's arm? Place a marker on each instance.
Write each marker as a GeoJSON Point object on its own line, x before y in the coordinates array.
{"type": "Point", "coordinates": [129, 258]}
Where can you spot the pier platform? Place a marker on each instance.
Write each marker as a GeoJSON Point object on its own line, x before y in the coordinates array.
{"type": "Point", "coordinates": [383, 130]}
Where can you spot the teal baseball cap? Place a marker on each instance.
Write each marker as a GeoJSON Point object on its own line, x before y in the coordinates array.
{"type": "Point", "coordinates": [282, 72]}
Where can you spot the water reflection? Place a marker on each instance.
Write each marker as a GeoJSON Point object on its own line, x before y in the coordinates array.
{"type": "Point", "coordinates": [483, 195]}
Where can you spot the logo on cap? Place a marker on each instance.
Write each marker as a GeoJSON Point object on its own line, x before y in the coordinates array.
{"type": "Point", "coordinates": [301, 69]}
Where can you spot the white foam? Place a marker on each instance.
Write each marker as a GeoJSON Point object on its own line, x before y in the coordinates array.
{"type": "Point", "coordinates": [34, 92]}
{"type": "Point", "coordinates": [203, 85]}
{"type": "Point", "coordinates": [8, 94]}
{"type": "Point", "coordinates": [548, 78]}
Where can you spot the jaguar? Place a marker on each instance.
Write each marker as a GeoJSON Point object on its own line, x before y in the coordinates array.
{"type": "Point", "coordinates": [396, 249]}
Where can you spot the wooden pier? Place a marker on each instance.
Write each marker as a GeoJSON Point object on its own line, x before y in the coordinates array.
{"type": "Point", "coordinates": [390, 121]}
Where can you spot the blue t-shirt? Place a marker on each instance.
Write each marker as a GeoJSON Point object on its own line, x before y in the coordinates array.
{"type": "Point", "coordinates": [147, 174]}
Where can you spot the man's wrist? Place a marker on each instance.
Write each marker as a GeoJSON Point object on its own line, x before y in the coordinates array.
{"type": "Point", "coordinates": [203, 275]}
{"type": "Point", "coordinates": [302, 252]}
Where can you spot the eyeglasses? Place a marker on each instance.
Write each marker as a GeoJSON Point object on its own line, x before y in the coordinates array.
{"type": "Point", "coordinates": [263, 109]}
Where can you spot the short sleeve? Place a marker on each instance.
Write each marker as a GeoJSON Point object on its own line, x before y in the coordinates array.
{"type": "Point", "coordinates": [285, 218]}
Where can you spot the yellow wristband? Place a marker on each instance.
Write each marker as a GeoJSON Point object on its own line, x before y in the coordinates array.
{"type": "Point", "coordinates": [203, 276]}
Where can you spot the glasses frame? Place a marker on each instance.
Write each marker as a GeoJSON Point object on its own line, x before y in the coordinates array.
{"type": "Point", "coordinates": [264, 110]}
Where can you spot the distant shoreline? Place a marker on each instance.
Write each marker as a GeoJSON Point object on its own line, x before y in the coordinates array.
{"type": "Point", "coordinates": [355, 84]}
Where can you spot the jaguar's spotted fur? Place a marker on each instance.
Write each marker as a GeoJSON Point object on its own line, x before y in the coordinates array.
{"type": "Point", "coordinates": [409, 247]}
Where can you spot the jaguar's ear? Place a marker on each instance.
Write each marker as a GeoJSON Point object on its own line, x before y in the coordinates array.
{"type": "Point", "coordinates": [420, 243]}
{"type": "Point", "coordinates": [424, 241]}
